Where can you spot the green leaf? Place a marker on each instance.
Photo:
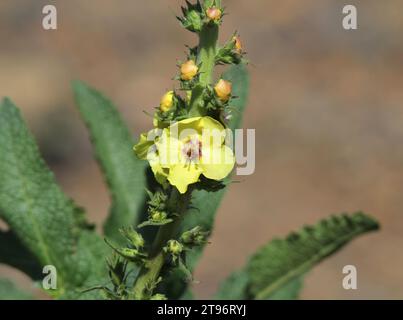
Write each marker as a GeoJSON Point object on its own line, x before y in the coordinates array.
{"type": "Point", "coordinates": [239, 77]}
{"type": "Point", "coordinates": [290, 291]}
{"type": "Point", "coordinates": [282, 262]}
{"type": "Point", "coordinates": [45, 221]}
{"type": "Point", "coordinates": [234, 287]}
{"type": "Point", "coordinates": [124, 173]}
{"type": "Point", "coordinates": [14, 253]}
{"type": "Point", "coordinates": [204, 203]}
{"type": "Point", "coordinates": [9, 291]}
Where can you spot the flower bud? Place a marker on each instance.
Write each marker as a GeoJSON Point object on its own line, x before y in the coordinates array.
{"type": "Point", "coordinates": [189, 70]}
{"type": "Point", "coordinates": [214, 14]}
{"type": "Point", "coordinates": [223, 90]}
{"type": "Point", "coordinates": [135, 238]}
{"type": "Point", "coordinates": [238, 44]}
{"type": "Point", "coordinates": [158, 216]}
{"type": "Point", "coordinates": [130, 253]}
{"type": "Point", "coordinates": [194, 237]}
{"type": "Point", "coordinates": [167, 101]}
{"type": "Point", "coordinates": [175, 247]}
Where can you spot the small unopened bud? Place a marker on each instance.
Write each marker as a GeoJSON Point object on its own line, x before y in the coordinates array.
{"type": "Point", "coordinates": [189, 70]}
{"type": "Point", "coordinates": [223, 90]}
{"type": "Point", "coordinates": [174, 247]}
{"type": "Point", "coordinates": [194, 236]}
{"type": "Point", "coordinates": [214, 14]}
{"type": "Point", "coordinates": [167, 101]}
{"type": "Point", "coordinates": [238, 44]}
{"type": "Point", "coordinates": [158, 216]}
{"type": "Point", "coordinates": [135, 238]}
{"type": "Point", "coordinates": [130, 253]}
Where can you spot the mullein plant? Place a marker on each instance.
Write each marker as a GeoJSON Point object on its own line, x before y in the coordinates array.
{"type": "Point", "coordinates": [200, 104]}
{"type": "Point", "coordinates": [162, 212]}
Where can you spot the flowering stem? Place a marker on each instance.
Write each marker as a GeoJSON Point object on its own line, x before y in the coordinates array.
{"type": "Point", "coordinates": [149, 273]}
{"type": "Point", "coordinates": [206, 58]}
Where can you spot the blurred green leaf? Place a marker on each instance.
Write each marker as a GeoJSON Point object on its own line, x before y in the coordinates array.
{"type": "Point", "coordinates": [239, 77]}
{"type": "Point", "coordinates": [289, 291]}
{"type": "Point", "coordinates": [282, 261]}
{"type": "Point", "coordinates": [45, 221]}
{"type": "Point", "coordinates": [234, 287]}
{"type": "Point", "coordinates": [276, 270]}
{"type": "Point", "coordinates": [9, 291]}
{"type": "Point", "coordinates": [124, 173]}
{"type": "Point", "coordinates": [15, 254]}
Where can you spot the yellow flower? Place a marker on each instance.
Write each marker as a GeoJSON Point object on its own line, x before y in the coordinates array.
{"type": "Point", "coordinates": [146, 149]}
{"type": "Point", "coordinates": [214, 14]}
{"type": "Point", "coordinates": [187, 149]}
{"type": "Point", "coordinates": [189, 70]}
{"type": "Point", "coordinates": [223, 90]}
{"type": "Point", "coordinates": [167, 101]}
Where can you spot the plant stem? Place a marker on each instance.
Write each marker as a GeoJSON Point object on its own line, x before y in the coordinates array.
{"type": "Point", "coordinates": [206, 58]}
{"type": "Point", "coordinates": [149, 273]}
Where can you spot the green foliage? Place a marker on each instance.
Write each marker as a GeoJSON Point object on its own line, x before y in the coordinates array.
{"type": "Point", "coordinates": [113, 145]}
{"type": "Point", "coordinates": [238, 75]}
{"type": "Point", "coordinates": [276, 270]}
{"type": "Point", "coordinates": [48, 228]}
{"type": "Point", "coordinates": [43, 219]}
{"type": "Point", "coordinates": [234, 287]}
{"type": "Point", "coordinates": [15, 254]}
{"type": "Point", "coordinates": [9, 291]}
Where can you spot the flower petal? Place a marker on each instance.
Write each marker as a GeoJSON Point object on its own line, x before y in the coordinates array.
{"type": "Point", "coordinates": [182, 175]}
{"type": "Point", "coordinates": [217, 163]}
{"type": "Point", "coordinates": [160, 173]}
{"type": "Point", "coordinates": [141, 148]}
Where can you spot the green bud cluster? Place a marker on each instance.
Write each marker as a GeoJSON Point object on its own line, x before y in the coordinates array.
{"type": "Point", "coordinates": [135, 238]}
{"type": "Point", "coordinates": [178, 111]}
{"type": "Point", "coordinates": [129, 253]}
{"type": "Point", "coordinates": [117, 274]}
{"type": "Point", "coordinates": [158, 211]}
{"type": "Point", "coordinates": [231, 52]}
{"type": "Point", "coordinates": [196, 16]}
{"type": "Point", "coordinates": [194, 237]}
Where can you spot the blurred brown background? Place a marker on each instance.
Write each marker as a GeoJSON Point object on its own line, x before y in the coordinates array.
{"type": "Point", "coordinates": [326, 104]}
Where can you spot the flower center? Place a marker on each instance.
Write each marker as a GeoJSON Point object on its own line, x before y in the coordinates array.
{"type": "Point", "coordinates": [192, 149]}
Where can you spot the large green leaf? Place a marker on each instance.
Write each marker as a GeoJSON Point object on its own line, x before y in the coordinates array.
{"type": "Point", "coordinates": [9, 291]}
{"type": "Point", "coordinates": [45, 221]}
{"type": "Point", "coordinates": [239, 77]}
{"type": "Point", "coordinates": [276, 270]}
{"type": "Point", "coordinates": [113, 144]}
{"type": "Point", "coordinates": [283, 261]}
{"type": "Point", "coordinates": [234, 287]}
{"type": "Point", "coordinates": [15, 254]}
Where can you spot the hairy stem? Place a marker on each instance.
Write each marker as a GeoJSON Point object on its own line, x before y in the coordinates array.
{"type": "Point", "coordinates": [206, 58]}
{"type": "Point", "coordinates": [177, 203]}
{"type": "Point", "coordinates": [149, 273]}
